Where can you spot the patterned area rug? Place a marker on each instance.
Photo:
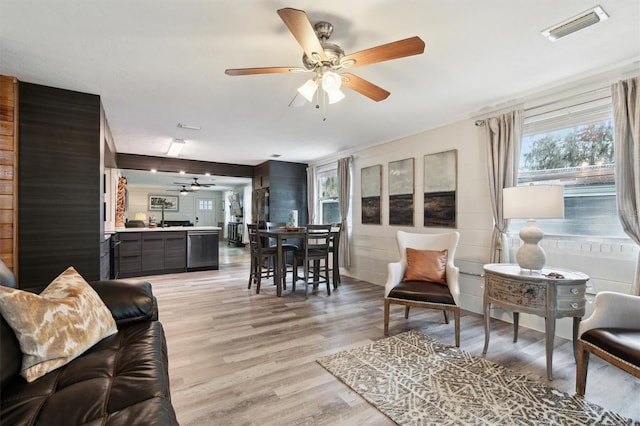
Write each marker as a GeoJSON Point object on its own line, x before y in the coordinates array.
{"type": "Point", "coordinates": [415, 380]}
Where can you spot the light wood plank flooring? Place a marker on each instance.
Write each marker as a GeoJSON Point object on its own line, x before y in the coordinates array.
{"type": "Point", "coordinates": [237, 358]}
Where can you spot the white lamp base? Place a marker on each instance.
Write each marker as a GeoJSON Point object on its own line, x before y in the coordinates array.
{"type": "Point", "coordinates": [530, 255]}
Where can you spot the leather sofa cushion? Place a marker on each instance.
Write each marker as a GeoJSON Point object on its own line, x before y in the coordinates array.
{"type": "Point", "coordinates": [620, 342]}
{"type": "Point", "coordinates": [122, 380]}
{"type": "Point", "coordinates": [128, 300]}
{"type": "Point", "coordinates": [422, 291]}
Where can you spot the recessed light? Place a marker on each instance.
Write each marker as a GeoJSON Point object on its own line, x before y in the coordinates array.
{"type": "Point", "coordinates": [182, 172]}
{"type": "Point", "coordinates": [175, 147]}
{"type": "Point", "coordinates": [207, 174]}
{"type": "Point", "coordinates": [153, 170]}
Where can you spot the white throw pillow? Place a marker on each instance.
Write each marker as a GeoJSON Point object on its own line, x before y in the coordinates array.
{"type": "Point", "coordinates": [58, 325]}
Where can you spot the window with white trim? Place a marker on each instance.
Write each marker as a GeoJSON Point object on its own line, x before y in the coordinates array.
{"type": "Point", "coordinates": [570, 143]}
{"type": "Point", "coordinates": [328, 210]}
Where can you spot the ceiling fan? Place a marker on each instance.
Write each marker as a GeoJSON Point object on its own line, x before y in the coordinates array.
{"type": "Point", "coordinates": [324, 58]}
{"type": "Point", "coordinates": [195, 185]}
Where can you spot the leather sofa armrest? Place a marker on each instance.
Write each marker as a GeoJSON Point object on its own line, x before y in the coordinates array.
{"type": "Point", "coordinates": [128, 300]}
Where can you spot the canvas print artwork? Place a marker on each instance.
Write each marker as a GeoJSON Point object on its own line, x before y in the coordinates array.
{"type": "Point", "coordinates": [170, 203]}
{"type": "Point", "coordinates": [401, 192]}
{"type": "Point", "coordinates": [371, 189]}
{"type": "Point", "coordinates": [440, 184]}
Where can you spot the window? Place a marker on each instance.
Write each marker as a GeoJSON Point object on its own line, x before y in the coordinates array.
{"type": "Point", "coordinates": [205, 204]}
{"type": "Point", "coordinates": [570, 143]}
{"type": "Point", "coordinates": [329, 209]}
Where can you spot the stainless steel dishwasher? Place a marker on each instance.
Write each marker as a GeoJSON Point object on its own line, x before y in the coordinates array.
{"type": "Point", "coordinates": [202, 249]}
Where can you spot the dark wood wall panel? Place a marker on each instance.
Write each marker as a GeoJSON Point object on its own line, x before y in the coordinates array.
{"type": "Point", "coordinates": [59, 184]}
{"type": "Point", "coordinates": [287, 191]}
{"type": "Point", "coordinates": [163, 164]}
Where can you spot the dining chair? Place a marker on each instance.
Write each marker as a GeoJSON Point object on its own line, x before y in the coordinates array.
{"type": "Point", "coordinates": [287, 248]}
{"type": "Point", "coordinates": [612, 333]}
{"type": "Point", "coordinates": [425, 276]}
{"type": "Point", "coordinates": [315, 250]}
{"type": "Point", "coordinates": [334, 250]}
{"type": "Point", "coordinates": [263, 258]}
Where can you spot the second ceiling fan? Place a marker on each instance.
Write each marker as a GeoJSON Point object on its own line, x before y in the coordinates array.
{"type": "Point", "coordinates": [324, 58]}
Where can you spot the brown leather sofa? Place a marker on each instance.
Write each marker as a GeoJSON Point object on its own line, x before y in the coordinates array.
{"type": "Point", "coordinates": [122, 380]}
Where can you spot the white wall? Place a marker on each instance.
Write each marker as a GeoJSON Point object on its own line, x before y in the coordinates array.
{"type": "Point", "coordinates": [609, 262]}
{"type": "Point", "coordinates": [139, 202]}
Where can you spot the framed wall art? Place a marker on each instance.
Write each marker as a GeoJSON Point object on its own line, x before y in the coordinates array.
{"type": "Point", "coordinates": [440, 184]}
{"type": "Point", "coordinates": [371, 192]}
{"type": "Point", "coordinates": [170, 202]}
{"type": "Point", "coordinates": [401, 192]}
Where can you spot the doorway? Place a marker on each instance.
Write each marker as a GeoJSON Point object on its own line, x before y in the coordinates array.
{"type": "Point", "coordinates": [205, 211]}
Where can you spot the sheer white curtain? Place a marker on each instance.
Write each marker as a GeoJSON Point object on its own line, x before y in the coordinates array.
{"type": "Point", "coordinates": [626, 118]}
{"type": "Point", "coordinates": [311, 194]}
{"type": "Point", "coordinates": [344, 198]}
{"type": "Point", "coordinates": [504, 137]}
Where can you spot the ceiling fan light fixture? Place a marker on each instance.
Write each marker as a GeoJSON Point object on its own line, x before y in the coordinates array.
{"type": "Point", "coordinates": [308, 90]}
{"type": "Point", "coordinates": [331, 81]}
{"type": "Point", "coordinates": [183, 191]}
{"type": "Point", "coordinates": [175, 147]}
{"type": "Point", "coordinates": [335, 96]}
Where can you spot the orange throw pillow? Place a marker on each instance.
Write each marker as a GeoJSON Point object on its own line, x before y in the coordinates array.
{"type": "Point", "coordinates": [426, 265]}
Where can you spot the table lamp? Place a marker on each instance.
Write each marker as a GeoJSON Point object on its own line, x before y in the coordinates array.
{"type": "Point", "coordinates": [532, 202]}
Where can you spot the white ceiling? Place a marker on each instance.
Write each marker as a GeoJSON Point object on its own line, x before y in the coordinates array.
{"type": "Point", "coordinates": [159, 63]}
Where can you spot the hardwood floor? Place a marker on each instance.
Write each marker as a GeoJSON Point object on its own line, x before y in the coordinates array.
{"type": "Point", "coordinates": [237, 358]}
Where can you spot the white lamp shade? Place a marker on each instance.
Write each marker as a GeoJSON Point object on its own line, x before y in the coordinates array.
{"type": "Point", "coordinates": [533, 202]}
{"type": "Point", "coordinates": [331, 81]}
{"type": "Point", "coordinates": [335, 95]}
{"type": "Point", "coordinates": [308, 89]}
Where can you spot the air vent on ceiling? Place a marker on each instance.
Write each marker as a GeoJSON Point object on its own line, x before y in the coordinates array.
{"type": "Point", "coordinates": [577, 23]}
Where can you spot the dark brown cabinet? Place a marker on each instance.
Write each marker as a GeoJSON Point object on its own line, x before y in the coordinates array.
{"type": "Point", "coordinates": [151, 252]}
{"type": "Point", "coordinates": [130, 254]}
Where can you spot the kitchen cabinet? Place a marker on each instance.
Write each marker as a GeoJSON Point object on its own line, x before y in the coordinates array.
{"type": "Point", "coordinates": [105, 259]}
{"type": "Point", "coordinates": [129, 255]}
{"type": "Point", "coordinates": [151, 252]}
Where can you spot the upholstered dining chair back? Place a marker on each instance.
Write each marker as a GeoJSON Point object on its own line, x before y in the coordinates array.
{"type": "Point", "coordinates": [427, 279]}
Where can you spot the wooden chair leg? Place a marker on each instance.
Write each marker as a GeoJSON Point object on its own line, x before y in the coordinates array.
{"type": "Point", "coordinates": [326, 276]}
{"type": "Point", "coordinates": [446, 316]}
{"type": "Point", "coordinates": [582, 365]}
{"type": "Point", "coordinates": [406, 312]}
{"type": "Point", "coordinates": [386, 317]}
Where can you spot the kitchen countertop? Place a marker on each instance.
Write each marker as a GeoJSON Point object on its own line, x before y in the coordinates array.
{"type": "Point", "coordinates": [169, 228]}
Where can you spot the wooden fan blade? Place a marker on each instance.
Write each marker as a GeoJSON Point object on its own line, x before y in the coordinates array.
{"type": "Point", "coordinates": [266, 70]}
{"type": "Point", "coordinates": [299, 25]}
{"type": "Point", "coordinates": [386, 52]}
{"type": "Point", "coordinates": [364, 87]}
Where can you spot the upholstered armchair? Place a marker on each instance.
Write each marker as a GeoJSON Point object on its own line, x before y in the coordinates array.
{"type": "Point", "coordinates": [425, 276]}
{"type": "Point", "coordinates": [612, 333]}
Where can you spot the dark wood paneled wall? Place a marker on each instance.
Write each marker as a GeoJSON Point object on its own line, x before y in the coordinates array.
{"type": "Point", "coordinates": [287, 189]}
{"type": "Point", "coordinates": [8, 174]}
{"type": "Point", "coordinates": [163, 164]}
{"type": "Point", "coordinates": [59, 184]}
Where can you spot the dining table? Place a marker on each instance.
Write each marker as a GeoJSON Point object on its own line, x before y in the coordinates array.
{"type": "Point", "coordinates": [281, 235]}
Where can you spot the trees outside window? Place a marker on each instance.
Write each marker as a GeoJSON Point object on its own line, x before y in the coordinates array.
{"type": "Point", "coordinates": [576, 151]}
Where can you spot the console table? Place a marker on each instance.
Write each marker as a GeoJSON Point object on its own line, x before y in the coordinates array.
{"type": "Point", "coordinates": [535, 292]}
